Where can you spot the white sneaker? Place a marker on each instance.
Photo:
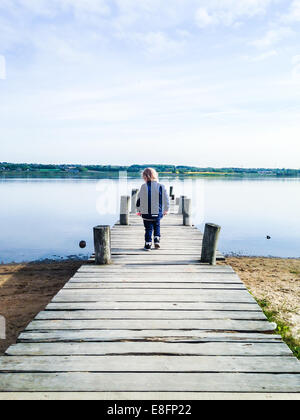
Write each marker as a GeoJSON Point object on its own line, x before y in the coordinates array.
{"type": "Point", "coordinates": [157, 242]}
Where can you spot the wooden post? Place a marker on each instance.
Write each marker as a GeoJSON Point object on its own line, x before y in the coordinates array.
{"type": "Point", "coordinates": [102, 244]}
{"type": "Point", "coordinates": [182, 197]}
{"type": "Point", "coordinates": [209, 244]}
{"type": "Point", "coordinates": [171, 191]}
{"type": "Point", "coordinates": [124, 210]}
{"type": "Point", "coordinates": [134, 194]}
{"type": "Point", "coordinates": [186, 212]}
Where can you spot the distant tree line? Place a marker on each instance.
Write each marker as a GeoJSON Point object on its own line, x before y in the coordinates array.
{"type": "Point", "coordinates": [167, 169]}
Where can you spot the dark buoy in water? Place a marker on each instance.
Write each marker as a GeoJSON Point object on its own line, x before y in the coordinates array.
{"type": "Point", "coordinates": [82, 244]}
{"type": "Point", "coordinates": [268, 237]}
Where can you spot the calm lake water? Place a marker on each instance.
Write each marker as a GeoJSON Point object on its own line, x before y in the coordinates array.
{"type": "Point", "coordinates": [42, 218]}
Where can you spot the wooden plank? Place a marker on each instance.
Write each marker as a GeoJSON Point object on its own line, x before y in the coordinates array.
{"type": "Point", "coordinates": [205, 382]}
{"type": "Point", "coordinates": [163, 295]}
{"type": "Point", "coordinates": [154, 396]}
{"type": "Point", "coordinates": [153, 324]}
{"type": "Point", "coordinates": [159, 348]}
{"type": "Point", "coordinates": [152, 286]}
{"type": "Point", "coordinates": [161, 252]}
{"type": "Point", "coordinates": [144, 268]}
{"type": "Point", "coordinates": [160, 276]}
{"type": "Point", "coordinates": [168, 258]}
{"type": "Point", "coordinates": [198, 306]}
{"type": "Point", "coordinates": [142, 314]}
{"type": "Point", "coordinates": [156, 281]}
{"type": "Point", "coordinates": [126, 363]}
{"type": "Point", "coordinates": [68, 295]}
{"type": "Point", "coordinates": [138, 291]}
{"type": "Point", "coordinates": [150, 279]}
{"type": "Point", "coordinates": [176, 262]}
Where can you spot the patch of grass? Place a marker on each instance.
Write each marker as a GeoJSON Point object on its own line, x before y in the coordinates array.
{"type": "Point", "coordinates": [295, 271]}
{"type": "Point", "coordinates": [282, 328]}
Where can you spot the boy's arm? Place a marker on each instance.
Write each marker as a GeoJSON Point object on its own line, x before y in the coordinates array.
{"type": "Point", "coordinates": [166, 201]}
{"type": "Point", "coordinates": [138, 201]}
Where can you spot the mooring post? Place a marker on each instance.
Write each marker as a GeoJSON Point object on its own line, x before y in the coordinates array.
{"type": "Point", "coordinates": [124, 210]}
{"type": "Point", "coordinates": [181, 199]}
{"type": "Point", "coordinates": [102, 244]}
{"type": "Point", "coordinates": [209, 243]}
{"type": "Point", "coordinates": [186, 212]}
{"type": "Point", "coordinates": [134, 193]}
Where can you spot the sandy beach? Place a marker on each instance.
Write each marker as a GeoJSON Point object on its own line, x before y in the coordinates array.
{"type": "Point", "coordinates": [25, 290]}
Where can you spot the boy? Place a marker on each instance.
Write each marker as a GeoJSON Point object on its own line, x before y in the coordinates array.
{"type": "Point", "coordinates": [152, 204]}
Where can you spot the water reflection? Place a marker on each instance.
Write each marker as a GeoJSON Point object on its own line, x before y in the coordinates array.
{"type": "Point", "coordinates": [42, 218]}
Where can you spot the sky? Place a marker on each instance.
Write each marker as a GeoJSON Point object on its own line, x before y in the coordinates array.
{"type": "Point", "coordinates": [194, 82]}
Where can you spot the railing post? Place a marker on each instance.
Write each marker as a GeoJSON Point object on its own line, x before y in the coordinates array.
{"type": "Point", "coordinates": [134, 193]}
{"type": "Point", "coordinates": [124, 210]}
{"type": "Point", "coordinates": [182, 197]}
{"type": "Point", "coordinates": [209, 243]}
{"type": "Point", "coordinates": [102, 244]}
{"type": "Point", "coordinates": [186, 212]}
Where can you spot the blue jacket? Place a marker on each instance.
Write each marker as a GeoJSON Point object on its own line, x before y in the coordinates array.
{"type": "Point", "coordinates": [152, 200]}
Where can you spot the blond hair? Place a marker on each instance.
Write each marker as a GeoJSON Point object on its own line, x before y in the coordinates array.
{"type": "Point", "coordinates": [150, 174]}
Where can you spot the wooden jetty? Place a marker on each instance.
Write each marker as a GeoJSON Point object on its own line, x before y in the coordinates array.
{"type": "Point", "coordinates": [151, 325]}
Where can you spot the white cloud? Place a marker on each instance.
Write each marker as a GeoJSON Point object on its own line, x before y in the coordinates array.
{"type": "Point", "coordinates": [261, 57]}
{"type": "Point", "coordinates": [53, 7]}
{"type": "Point", "coordinates": [296, 68]}
{"type": "Point", "coordinates": [272, 37]}
{"type": "Point", "coordinates": [228, 12]}
{"type": "Point", "coordinates": [204, 19]}
{"type": "Point", "coordinates": [159, 43]}
{"type": "Point", "coordinates": [293, 14]}
{"type": "Point", "coordinates": [2, 67]}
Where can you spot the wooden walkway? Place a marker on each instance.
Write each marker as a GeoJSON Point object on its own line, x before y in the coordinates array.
{"type": "Point", "coordinates": [153, 324]}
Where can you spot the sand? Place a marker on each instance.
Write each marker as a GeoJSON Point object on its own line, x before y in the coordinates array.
{"type": "Point", "coordinates": [276, 281]}
{"type": "Point", "coordinates": [25, 290]}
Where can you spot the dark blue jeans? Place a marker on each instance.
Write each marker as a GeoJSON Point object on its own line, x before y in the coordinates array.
{"type": "Point", "coordinates": [150, 226]}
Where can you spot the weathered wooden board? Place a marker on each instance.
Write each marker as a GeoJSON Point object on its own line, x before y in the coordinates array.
{"type": "Point", "coordinates": [186, 280]}
{"type": "Point", "coordinates": [95, 296]}
{"type": "Point", "coordinates": [148, 342]}
{"type": "Point", "coordinates": [153, 324]}
{"type": "Point", "coordinates": [99, 342]}
{"type": "Point", "coordinates": [112, 381]}
{"type": "Point", "coordinates": [119, 275]}
{"type": "Point", "coordinates": [169, 268]}
{"type": "Point", "coordinates": [196, 306]}
{"type": "Point", "coordinates": [157, 259]}
{"type": "Point", "coordinates": [148, 314]}
{"type": "Point", "coordinates": [158, 363]}
{"type": "Point", "coordinates": [152, 286]}
{"type": "Point", "coordinates": [156, 253]}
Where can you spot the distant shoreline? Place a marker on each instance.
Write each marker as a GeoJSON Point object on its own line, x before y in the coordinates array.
{"type": "Point", "coordinates": [115, 175]}
{"type": "Point", "coordinates": [75, 171]}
